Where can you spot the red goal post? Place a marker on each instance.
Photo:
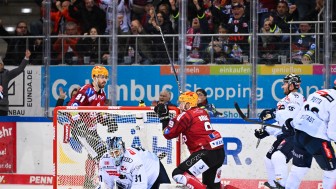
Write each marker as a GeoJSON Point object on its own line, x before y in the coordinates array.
{"type": "Point", "coordinates": [138, 126]}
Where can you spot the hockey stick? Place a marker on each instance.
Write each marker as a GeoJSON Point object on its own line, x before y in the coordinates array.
{"type": "Point", "coordinates": [170, 60]}
{"type": "Point", "coordinates": [243, 116]}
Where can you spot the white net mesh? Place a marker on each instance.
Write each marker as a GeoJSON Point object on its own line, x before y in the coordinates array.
{"type": "Point", "coordinates": [81, 133]}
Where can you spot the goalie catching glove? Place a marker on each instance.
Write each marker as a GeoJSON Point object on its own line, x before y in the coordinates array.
{"type": "Point", "coordinates": [260, 133]}
{"type": "Point", "coordinates": [267, 114]}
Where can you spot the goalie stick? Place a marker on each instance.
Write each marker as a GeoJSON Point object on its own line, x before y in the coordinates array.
{"type": "Point", "coordinates": [243, 116]}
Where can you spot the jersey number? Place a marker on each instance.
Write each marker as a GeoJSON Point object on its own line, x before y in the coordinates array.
{"type": "Point", "coordinates": [80, 97]}
{"type": "Point", "coordinates": [291, 108]}
{"type": "Point", "coordinates": [325, 95]}
{"type": "Point", "coordinates": [137, 178]}
{"type": "Point", "coordinates": [313, 109]}
{"type": "Point", "coordinates": [207, 127]}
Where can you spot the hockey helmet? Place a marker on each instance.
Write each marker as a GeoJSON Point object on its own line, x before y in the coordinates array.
{"type": "Point", "coordinates": [116, 149]}
{"type": "Point", "coordinates": [99, 70]}
{"type": "Point", "coordinates": [293, 79]}
{"type": "Point", "coordinates": [190, 97]}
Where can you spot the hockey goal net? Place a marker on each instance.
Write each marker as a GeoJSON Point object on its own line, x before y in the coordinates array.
{"type": "Point", "coordinates": [81, 132]}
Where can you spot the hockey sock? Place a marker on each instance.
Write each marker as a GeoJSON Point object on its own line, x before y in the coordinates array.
{"type": "Point", "coordinates": [329, 179]}
{"type": "Point", "coordinates": [295, 177]}
{"type": "Point", "coordinates": [270, 171]}
{"type": "Point", "coordinates": [280, 167]}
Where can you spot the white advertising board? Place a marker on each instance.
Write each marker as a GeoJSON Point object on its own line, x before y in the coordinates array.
{"type": "Point", "coordinates": [243, 164]}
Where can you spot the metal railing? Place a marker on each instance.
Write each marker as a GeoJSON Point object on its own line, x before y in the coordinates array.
{"type": "Point", "coordinates": [174, 37]}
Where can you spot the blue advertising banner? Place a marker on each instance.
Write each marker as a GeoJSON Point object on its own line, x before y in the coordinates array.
{"type": "Point", "coordinates": [145, 83]}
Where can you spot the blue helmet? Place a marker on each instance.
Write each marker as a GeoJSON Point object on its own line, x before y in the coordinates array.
{"type": "Point", "coordinates": [116, 149]}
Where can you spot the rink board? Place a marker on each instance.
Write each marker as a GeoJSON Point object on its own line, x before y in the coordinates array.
{"type": "Point", "coordinates": [243, 167]}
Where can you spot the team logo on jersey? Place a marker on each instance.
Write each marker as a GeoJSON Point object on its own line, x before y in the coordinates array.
{"type": "Point", "coordinates": [106, 163]}
{"type": "Point", "coordinates": [123, 168]}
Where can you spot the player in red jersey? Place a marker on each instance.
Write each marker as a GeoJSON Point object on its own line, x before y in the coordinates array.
{"type": "Point", "coordinates": [84, 125]}
{"type": "Point", "coordinates": [92, 94]}
{"type": "Point", "coordinates": [204, 143]}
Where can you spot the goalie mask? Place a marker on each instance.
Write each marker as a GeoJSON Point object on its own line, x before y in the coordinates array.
{"type": "Point", "coordinates": [188, 97]}
{"type": "Point", "coordinates": [99, 71]}
{"type": "Point", "coordinates": [293, 79]}
{"type": "Point", "coordinates": [116, 149]}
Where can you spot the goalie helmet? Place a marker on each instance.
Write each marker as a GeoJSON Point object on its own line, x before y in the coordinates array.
{"type": "Point", "coordinates": [190, 97]}
{"type": "Point", "coordinates": [293, 79]}
{"type": "Point", "coordinates": [99, 70]}
{"type": "Point", "coordinates": [116, 149]}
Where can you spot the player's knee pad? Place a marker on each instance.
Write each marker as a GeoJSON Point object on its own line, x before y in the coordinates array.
{"type": "Point", "coordinates": [329, 179]}
{"type": "Point", "coordinates": [325, 163]}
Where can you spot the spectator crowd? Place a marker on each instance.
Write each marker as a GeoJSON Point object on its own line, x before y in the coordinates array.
{"type": "Point", "coordinates": [213, 28]}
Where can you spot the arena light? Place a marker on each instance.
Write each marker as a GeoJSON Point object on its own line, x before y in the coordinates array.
{"type": "Point", "coordinates": [26, 10]}
{"type": "Point", "coordinates": [10, 28]}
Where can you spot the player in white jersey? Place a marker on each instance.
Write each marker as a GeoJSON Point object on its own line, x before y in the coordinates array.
{"type": "Point", "coordinates": [280, 152]}
{"type": "Point", "coordinates": [131, 168]}
{"type": "Point", "coordinates": [315, 127]}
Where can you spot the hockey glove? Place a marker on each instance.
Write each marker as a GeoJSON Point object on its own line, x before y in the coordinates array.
{"type": "Point", "coordinates": [162, 111]}
{"type": "Point", "coordinates": [260, 133]}
{"type": "Point", "coordinates": [123, 182]}
{"type": "Point", "coordinates": [267, 114]}
{"type": "Point", "coordinates": [287, 128]}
